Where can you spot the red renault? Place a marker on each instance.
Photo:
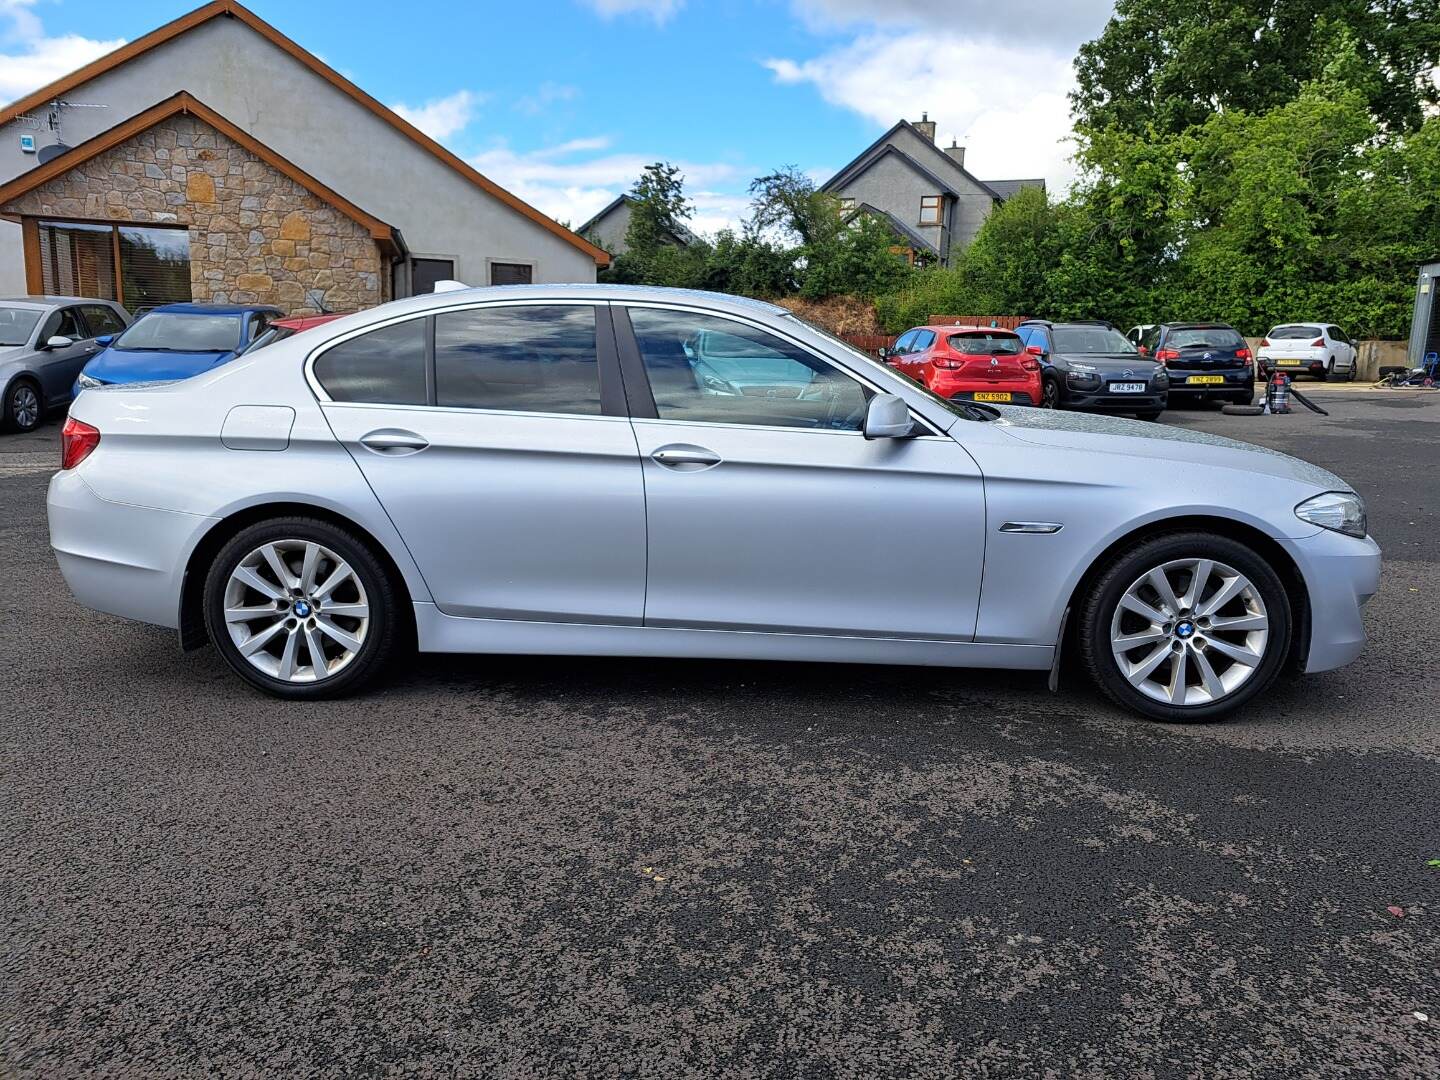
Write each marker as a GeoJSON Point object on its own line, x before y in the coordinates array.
{"type": "Point", "coordinates": [973, 363]}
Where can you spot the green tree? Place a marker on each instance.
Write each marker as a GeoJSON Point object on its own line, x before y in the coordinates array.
{"type": "Point", "coordinates": [659, 209]}
{"type": "Point", "coordinates": [1170, 64]}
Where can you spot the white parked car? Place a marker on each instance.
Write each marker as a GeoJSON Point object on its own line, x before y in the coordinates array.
{"type": "Point", "coordinates": [1319, 349]}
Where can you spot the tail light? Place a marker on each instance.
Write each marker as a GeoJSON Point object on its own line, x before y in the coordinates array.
{"type": "Point", "coordinates": [1242, 354]}
{"type": "Point", "coordinates": [947, 363]}
{"type": "Point", "coordinates": [1264, 343]}
{"type": "Point", "coordinates": [1318, 343]}
{"type": "Point", "coordinates": [1030, 364]}
{"type": "Point", "coordinates": [77, 439]}
{"type": "Point", "coordinates": [1166, 355]}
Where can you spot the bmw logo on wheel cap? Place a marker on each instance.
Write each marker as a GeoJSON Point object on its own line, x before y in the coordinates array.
{"type": "Point", "coordinates": [302, 609]}
{"type": "Point", "coordinates": [1185, 629]}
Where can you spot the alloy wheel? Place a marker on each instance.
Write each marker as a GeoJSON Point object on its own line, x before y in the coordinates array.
{"type": "Point", "coordinates": [296, 611]}
{"type": "Point", "coordinates": [1190, 632]}
{"type": "Point", "coordinates": [25, 407]}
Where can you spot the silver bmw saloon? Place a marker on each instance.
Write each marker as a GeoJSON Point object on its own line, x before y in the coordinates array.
{"type": "Point", "coordinates": [612, 470]}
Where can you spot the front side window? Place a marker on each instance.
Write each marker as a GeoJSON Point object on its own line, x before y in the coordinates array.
{"type": "Point", "coordinates": [385, 366]}
{"type": "Point", "coordinates": [535, 358]}
{"type": "Point", "coordinates": [902, 346]}
{"type": "Point", "coordinates": [923, 340]}
{"type": "Point", "coordinates": [102, 320]}
{"type": "Point", "coordinates": [174, 332]}
{"type": "Point", "coordinates": [714, 370]}
{"type": "Point", "coordinates": [64, 323]}
{"type": "Point", "coordinates": [16, 324]}
{"type": "Point", "coordinates": [930, 209]}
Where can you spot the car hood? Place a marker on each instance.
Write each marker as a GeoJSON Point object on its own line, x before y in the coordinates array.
{"type": "Point", "coordinates": [1144, 441]}
{"type": "Point", "coordinates": [144, 365]}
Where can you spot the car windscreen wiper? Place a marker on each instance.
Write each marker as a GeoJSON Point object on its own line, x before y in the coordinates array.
{"type": "Point", "coordinates": [972, 411]}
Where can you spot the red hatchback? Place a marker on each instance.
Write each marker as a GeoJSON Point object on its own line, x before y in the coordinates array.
{"type": "Point", "coordinates": [974, 363]}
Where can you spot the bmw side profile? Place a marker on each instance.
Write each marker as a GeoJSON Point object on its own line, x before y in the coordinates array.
{"type": "Point", "coordinates": [566, 470]}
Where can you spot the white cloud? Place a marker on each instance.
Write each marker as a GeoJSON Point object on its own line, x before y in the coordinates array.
{"type": "Point", "coordinates": [549, 93]}
{"type": "Point", "coordinates": [659, 10]}
{"type": "Point", "coordinates": [30, 59]}
{"type": "Point", "coordinates": [573, 181]}
{"type": "Point", "coordinates": [445, 116]}
{"type": "Point", "coordinates": [1057, 21]}
{"type": "Point", "coordinates": [1010, 111]}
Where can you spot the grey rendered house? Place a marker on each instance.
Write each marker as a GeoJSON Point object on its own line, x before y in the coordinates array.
{"type": "Point", "coordinates": [924, 193]}
{"type": "Point", "coordinates": [609, 226]}
{"type": "Point", "coordinates": [215, 159]}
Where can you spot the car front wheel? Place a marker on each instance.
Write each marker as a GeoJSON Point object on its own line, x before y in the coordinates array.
{"type": "Point", "coordinates": [301, 608]}
{"type": "Point", "coordinates": [1186, 627]}
{"type": "Point", "coordinates": [23, 409]}
{"type": "Point", "coordinates": [1050, 394]}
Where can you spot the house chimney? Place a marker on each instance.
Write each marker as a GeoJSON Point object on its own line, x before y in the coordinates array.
{"type": "Point", "coordinates": [925, 126]}
{"type": "Point", "coordinates": [956, 151]}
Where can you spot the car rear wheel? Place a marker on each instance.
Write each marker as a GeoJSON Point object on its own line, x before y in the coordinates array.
{"type": "Point", "coordinates": [23, 408]}
{"type": "Point", "coordinates": [1350, 371]}
{"type": "Point", "coordinates": [1186, 627]}
{"type": "Point", "coordinates": [301, 608]}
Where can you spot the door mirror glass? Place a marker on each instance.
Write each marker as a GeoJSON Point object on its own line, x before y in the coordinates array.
{"type": "Point", "coordinates": [888, 417]}
{"type": "Point", "coordinates": [59, 341]}
{"type": "Point", "coordinates": [884, 352]}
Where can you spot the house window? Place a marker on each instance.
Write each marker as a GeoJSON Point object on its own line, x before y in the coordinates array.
{"type": "Point", "coordinates": [138, 266]}
{"type": "Point", "coordinates": [505, 273]}
{"type": "Point", "coordinates": [424, 273]}
{"type": "Point", "coordinates": [846, 205]}
{"type": "Point", "coordinates": [930, 209]}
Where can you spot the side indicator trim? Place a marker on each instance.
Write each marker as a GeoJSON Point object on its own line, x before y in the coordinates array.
{"type": "Point", "coordinates": [1039, 527]}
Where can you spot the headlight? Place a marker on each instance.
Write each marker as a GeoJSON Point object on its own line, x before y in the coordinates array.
{"type": "Point", "coordinates": [87, 381]}
{"type": "Point", "coordinates": [1342, 511]}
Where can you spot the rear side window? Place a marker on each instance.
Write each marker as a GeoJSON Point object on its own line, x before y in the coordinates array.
{"type": "Point", "coordinates": [982, 344]}
{"type": "Point", "coordinates": [521, 359]}
{"type": "Point", "coordinates": [102, 320]}
{"type": "Point", "coordinates": [1210, 337]}
{"type": "Point", "coordinates": [1287, 333]}
{"type": "Point", "coordinates": [385, 366]}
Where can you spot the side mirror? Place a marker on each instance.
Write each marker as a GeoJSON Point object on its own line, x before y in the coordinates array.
{"type": "Point", "coordinates": [104, 340]}
{"type": "Point", "coordinates": [884, 353]}
{"type": "Point", "coordinates": [1034, 350]}
{"type": "Point", "coordinates": [888, 417]}
{"type": "Point", "coordinates": [59, 341]}
{"type": "Point", "coordinates": [1142, 350]}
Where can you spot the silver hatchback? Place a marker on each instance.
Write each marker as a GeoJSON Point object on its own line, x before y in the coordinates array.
{"type": "Point", "coordinates": [44, 342]}
{"type": "Point", "coordinates": [593, 470]}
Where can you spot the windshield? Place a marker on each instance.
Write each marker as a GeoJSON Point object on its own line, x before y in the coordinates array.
{"type": "Point", "coordinates": [965, 409]}
{"type": "Point", "coordinates": [176, 332]}
{"type": "Point", "coordinates": [978, 343]}
{"type": "Point", "coordinates": [16, 324]}
{"type": "Point", "coordinates": [1091, 339]}
{"type": "Point", "coordinates": [1208, 337]}
{"type": "Point", "coordinates": [1286, 332]}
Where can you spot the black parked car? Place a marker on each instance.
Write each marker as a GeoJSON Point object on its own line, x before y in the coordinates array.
{"type": "Point", "coordinates": [1092, 365]}
{"type": "Point", "coordinates": [1206, 360]}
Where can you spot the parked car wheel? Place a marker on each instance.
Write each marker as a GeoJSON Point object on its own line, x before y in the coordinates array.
{"type": "Point", "coordinates": [1350, 372]}
{"type": "Point", "coordinates": [1329, 370]}
{"type": "Point", "coordinates": [301, 608]}
{"type": "Point", "coordinates": [23, 409]}
{"type": "Point", "coordinates": [1050, 394]}
{"type": "Point", "coordinates": [1185, 627]}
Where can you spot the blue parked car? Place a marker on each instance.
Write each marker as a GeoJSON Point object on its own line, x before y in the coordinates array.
{"type": "Point", "coordinates": [176, 341]}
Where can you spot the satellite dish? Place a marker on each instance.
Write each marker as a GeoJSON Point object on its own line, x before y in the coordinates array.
{"type": "Point", "coordinates": [51, 152]}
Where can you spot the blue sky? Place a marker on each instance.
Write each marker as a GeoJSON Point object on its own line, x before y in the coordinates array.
{"type": "Point", "coordinates": [563, 101]}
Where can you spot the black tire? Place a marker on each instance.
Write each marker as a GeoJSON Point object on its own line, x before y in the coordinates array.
{"type": "Point", "coordinates": [1329, 371]}
{"type": "Point", "coordinates": [383, 632]}
{"type": "Point", "coordinates": [1049, 394]}
{"type": "Point", "coordinates": [1098, 609]}
{"type": "Point", "coordinates": [1350, 373]}
{"type": "Point", "coordinates": [1243, 410]}
{"type": "Point", "coordinates": [1151, 416]}
{"type": "Point", "coordinates": [24, 406]}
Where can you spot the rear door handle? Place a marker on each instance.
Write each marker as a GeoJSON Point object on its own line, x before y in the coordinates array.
{"type": "Point", "coordinates": [687, 458]}
{"type": "Point", "coordinates": [394, 442]}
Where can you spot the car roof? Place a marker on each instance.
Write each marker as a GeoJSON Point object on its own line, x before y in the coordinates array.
{"type": "Point", "coordinates": [215, 309]}
{"type": "Point", "coordinates": [577, 291]}
{"type": "Point", "coordinates": [1197, 326]}
{"type": "Point", "coordinates": [1052, 323]}
{"type": "Point", "coordinates": [950, 328]}
{"type": "Point", "coordinates": [53, 301]}
{"type": "Point", "coordinates": [305, 322]}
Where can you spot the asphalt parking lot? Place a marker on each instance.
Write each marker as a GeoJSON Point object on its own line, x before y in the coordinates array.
{"type": "Point", "coordinates": [552, 867]}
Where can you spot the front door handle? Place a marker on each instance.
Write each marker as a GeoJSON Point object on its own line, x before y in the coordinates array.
{"type": "Point", "coordinates": [686, 458]}
{"type": "Point", "coordinates": [394, 442]}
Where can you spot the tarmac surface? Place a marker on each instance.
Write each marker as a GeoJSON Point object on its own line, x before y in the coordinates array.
{"type": "Point", "coordinates": [556, 867]}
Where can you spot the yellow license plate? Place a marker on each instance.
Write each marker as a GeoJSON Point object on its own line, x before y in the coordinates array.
{"type": "Point", "coordinates": [1288, 363]}
{"type": "Point", "coordinates": [985, 395]}
{"type": "Point", "coordinates": [1206, 379]}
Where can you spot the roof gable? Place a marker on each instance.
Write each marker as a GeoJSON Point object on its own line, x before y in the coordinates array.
{"type": "Point", "coordinates": [183, 103]}
{"type": "Point", "coordinates": [232, 9]}
{"type": "Point", "coordinates": [680, 234]}
{"type": "Point", "coordinates": [936, 167]}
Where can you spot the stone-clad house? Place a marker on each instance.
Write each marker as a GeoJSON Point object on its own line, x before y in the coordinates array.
{"type": "Point", "coordinates": [228, 164]}
{"type": "Point", "coordinates": [934, 205]}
